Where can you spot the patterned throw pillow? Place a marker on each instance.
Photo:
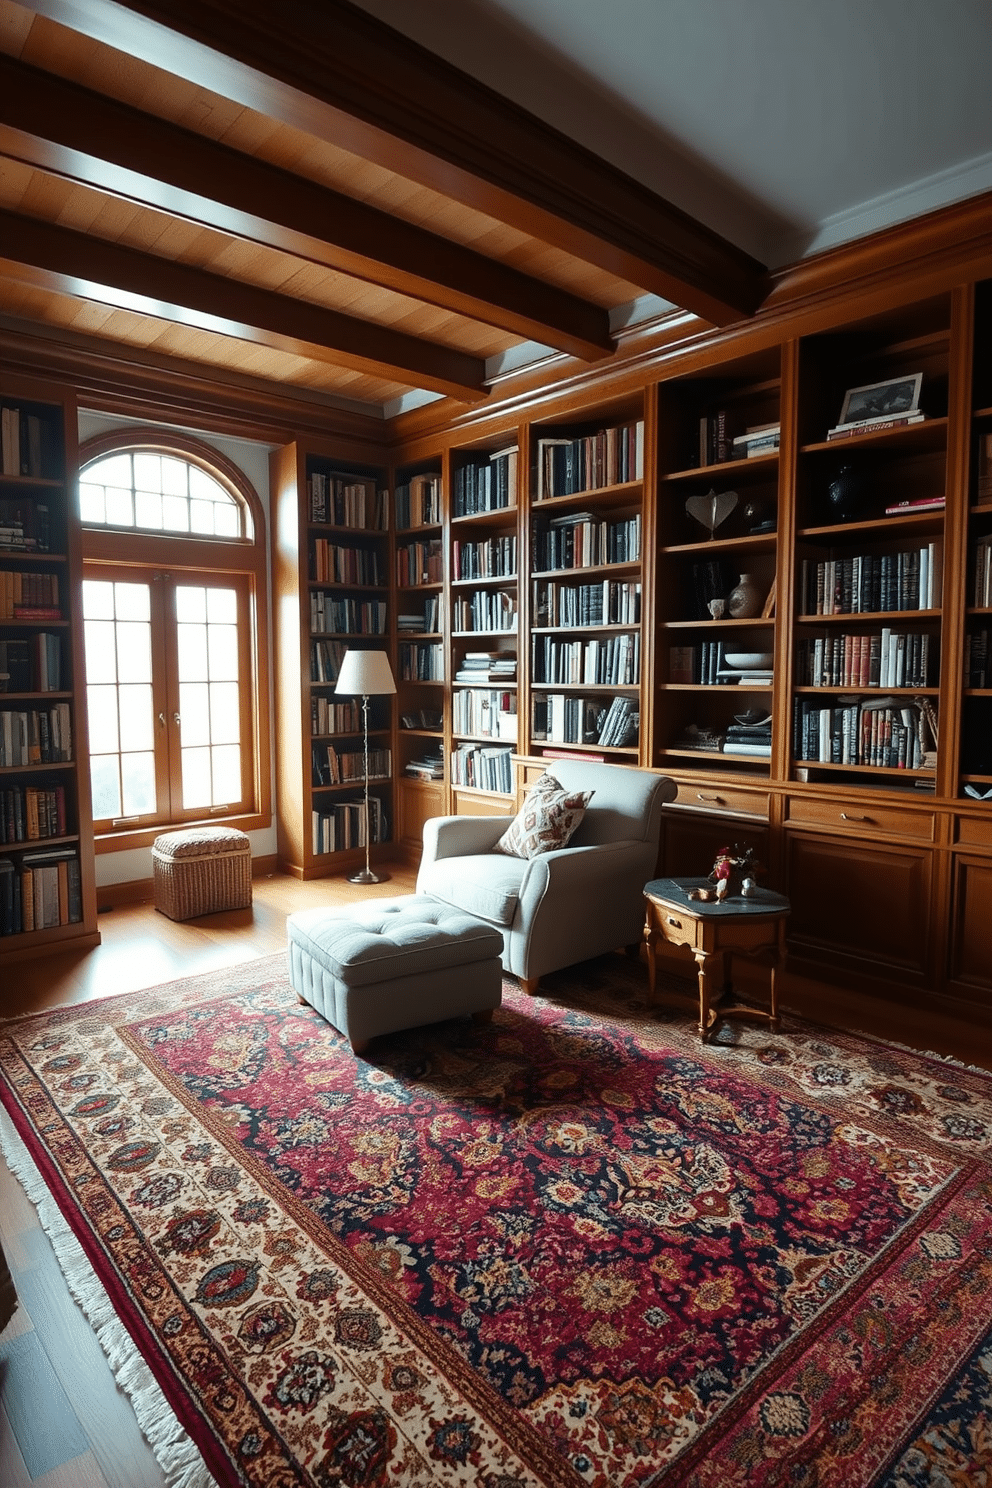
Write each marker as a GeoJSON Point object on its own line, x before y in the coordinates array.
{"type": "Point", "coordinates": [547, 819]}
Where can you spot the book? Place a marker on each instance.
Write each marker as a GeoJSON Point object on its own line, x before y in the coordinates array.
{"type": "Point", "coordinates": [870, 426]}
{"type": "Point", "coordinates": [917, 504]}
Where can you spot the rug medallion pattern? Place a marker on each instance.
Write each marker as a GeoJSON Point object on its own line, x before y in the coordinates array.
{"type": "Point", "coordinates": [574, 1247]}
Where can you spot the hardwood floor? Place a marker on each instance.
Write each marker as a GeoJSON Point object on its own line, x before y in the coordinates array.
{"type": "Point", "coordinates": [63, 1421]}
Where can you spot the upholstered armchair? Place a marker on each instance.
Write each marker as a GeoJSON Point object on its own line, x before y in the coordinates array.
{"type": "Point", "coordinates": [562, 906]}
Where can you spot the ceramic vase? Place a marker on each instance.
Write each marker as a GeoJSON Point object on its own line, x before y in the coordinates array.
{"type": "Point", "coordinates": [745, 599]}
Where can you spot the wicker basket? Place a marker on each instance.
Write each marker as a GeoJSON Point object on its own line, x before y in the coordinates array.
{"type": "Point", "coordinates": [200, 871]}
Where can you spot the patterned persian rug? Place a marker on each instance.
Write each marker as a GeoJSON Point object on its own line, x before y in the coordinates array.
{"type": "Point", "coordinates": [574, 1247]}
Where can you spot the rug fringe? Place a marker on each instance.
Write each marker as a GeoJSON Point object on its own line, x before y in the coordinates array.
{"type": "Point", "coordinates": [181, 1463]}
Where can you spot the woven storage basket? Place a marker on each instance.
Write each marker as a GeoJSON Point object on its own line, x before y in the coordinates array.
{"type": "Point", "coordinates": [200, 871]}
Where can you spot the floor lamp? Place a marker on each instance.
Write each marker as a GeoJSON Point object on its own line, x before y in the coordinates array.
{"type": "Point", "coordinates": [366, 674]}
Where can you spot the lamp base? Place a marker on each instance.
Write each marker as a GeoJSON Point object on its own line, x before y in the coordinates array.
{"type": "Point", "coordinates": [366, 876]}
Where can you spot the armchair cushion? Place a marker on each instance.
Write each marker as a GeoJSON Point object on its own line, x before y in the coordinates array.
{"type": "Point", "coordinates": [546, 821]}
{"type": "Point", "coordinates": [486, 886]}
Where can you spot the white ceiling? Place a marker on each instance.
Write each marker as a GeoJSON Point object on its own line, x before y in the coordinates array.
{"type": "Point", "coordinates": [786, 125]}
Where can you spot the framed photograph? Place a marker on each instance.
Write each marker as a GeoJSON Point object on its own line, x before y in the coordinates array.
{"type": "Point", "coordinates": [878, 400]}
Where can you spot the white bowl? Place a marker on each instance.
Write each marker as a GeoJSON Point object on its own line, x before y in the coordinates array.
{"type": "Point", "coordinates": [749, 661]}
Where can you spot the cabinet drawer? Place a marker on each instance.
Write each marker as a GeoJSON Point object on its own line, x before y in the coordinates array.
{"type": "Point", "coordinates": [973, 831]}
{"type": "Point", "coordinates": [892, 821]}
{"type": "Point", "coordinates": [734, 800]}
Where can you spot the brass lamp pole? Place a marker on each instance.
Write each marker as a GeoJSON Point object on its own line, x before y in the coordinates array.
{"type": "Point", "coordinates": [366, 674]}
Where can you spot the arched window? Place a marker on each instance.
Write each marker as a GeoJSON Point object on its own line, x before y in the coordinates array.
{"type": "Point", "coordinates": [175, 636]}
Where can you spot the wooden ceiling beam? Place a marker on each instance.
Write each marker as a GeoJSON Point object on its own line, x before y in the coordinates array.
{"type": "Point", "coordinates": [80, 135]}
{"type": "Point", "coordinates": [341, 75]}
{"type": "Point", "coordinates": [89, 268]}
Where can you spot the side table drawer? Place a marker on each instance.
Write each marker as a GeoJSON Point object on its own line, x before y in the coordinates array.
{"type": "Point", "coordinates": [732, 800]}
{"type": "Point", "coordinates": [803, 811]}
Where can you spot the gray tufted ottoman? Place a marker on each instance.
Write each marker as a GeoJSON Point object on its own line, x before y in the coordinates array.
{"type": "Point", "coordinates": [389, 964]}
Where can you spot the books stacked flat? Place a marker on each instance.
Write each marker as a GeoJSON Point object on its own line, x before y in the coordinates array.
{"type": "Point", "coordinates": [870, 426]}
{"type": "Point", "coordinates": [747, 735]}
{"type": "Point", "coordinates": [915, 506]}
{"type": "Point", "coordinates": [430, 766]}
{"type": "Point", "coordinates": [479, 668]}
{"type": "Point", "coordinates": [759, 439]}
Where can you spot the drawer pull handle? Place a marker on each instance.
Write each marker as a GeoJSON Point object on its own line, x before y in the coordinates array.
{"type": "Point", "coordinates": [672, 921]}
{"type": "Point", "coordinates": [844, 817]}
{"type": "Point", "coordinates": [718, 799]}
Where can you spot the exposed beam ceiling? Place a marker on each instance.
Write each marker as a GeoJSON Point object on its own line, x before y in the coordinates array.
{"type": "Point", "coordinates": [78, 134]}
{"type": "Point", "coordinates": [60, 258]}
{"type": "Point", "coordinates": [335, 72]}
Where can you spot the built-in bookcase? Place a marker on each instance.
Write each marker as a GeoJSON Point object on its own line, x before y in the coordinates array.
{"type": "Point", "coordinates": [47, 894]}
{"type": "Point", "coordinates": [869, 556]}
{"type": "Point", "coordinates": [334, 579]}
{"type": "Point", "coordinates": [484, 621]}
{"type": "Point", "coordinates": [718, 481]}
{"type": "Point", "coordinates": [585, 526]}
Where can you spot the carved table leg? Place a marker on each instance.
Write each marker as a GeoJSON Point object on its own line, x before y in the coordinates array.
{"type": "Point", "coordinates": [702, 959]}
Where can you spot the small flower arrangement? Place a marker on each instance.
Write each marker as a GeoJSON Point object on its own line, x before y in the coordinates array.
{"type": "Point", "coordinates": [735, 871]}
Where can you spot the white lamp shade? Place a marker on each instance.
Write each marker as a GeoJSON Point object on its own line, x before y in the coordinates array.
{"type": "Point", "coordinates": [365, 674]}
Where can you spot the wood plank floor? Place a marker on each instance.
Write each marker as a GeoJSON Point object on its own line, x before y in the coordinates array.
{"type": "Point", "coordinates": [63, 1421]}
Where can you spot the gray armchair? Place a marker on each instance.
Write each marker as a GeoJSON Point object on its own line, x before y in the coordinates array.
{"type": "Point", "coordinates": [562, 906]}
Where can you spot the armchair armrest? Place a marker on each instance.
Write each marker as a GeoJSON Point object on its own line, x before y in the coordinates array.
{"type": "Point", "coordinates": [461, 836]}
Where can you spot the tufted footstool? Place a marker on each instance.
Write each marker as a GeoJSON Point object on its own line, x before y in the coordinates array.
{"type": "Point", "coordinates": [389, 964]}
{"type": "Point", "coordinates": [201, 870]}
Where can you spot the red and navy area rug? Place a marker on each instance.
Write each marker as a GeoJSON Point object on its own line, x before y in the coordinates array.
{"type": "Point", "coordinates": [574, 1247]}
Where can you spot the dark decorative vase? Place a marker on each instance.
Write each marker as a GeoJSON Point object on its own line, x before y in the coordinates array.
{"type": "Point", "coordinates": [848, 494]}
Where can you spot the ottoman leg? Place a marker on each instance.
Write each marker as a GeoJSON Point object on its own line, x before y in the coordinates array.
{"type": "Point", "coordinates": [483, 1015]}
{"type": "Point", "coordinates": [360, 1046]}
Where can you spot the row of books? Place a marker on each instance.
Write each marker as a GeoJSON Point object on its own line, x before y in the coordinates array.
{"type": "Point", "coordinates": [418, 502]}
{"type": "Point", "coordinates": [610, 457]}
{"type": "Point", "coordinates": [882, 734]}
{"type": "Point", "coordinates": [885, 659]}
{"type": "Point", "coordinates": [420, 563]}
{"type": "Point", "coordinates": [614, 661]}
{"type": "Point", "coordinates": [325, 660]}
{"type": "Point", "coordinates": [560, 718]}
{"type": "Point", "coordinates": [610, 602]}
{"type": "Point", "coordinates": [330, 717]}
{"type": "Point", "coordinates": [32, 664]}
{"type": "Point", "coordinates": [982, 592]}
{"type": "Point", "coordinates": [425, 621]}
{"type": "Point", "coordinates": [421, 661]}
{"type": "Point", "coordinates": [485, 713]}
{"type": "Point", "coordinates": [983, 462]}
{"type": "Point", "coordinates": [346, 767]}
{"type": "Point", "coordinates": [40, 892]}
{"type": "Point", "coordinates": [488, 484]}
{"type": "Point", "coordinates": [492, 610]}
{"type": "Point", "coordinates": [332, 564]}
{"type": "Point", "coordinates": [706, 663]}
{"type": "Point", "coordinates": [343, 825]}
{"type": "Point", "coordinates": [978, 658]}
{"type": "Point", "coordinates": [22, 442]}
{"type": "Point", "coordinates": [347, 501]}
{"type": "Point", "coordinates": [482, 766]}
{"type": "Point", "coordinates": [581, 540]}
{"type": "Point", "coordinates": [35, 736]}
{"type": "Point", "coordinates": [29, 596]}
{"type": "Point", "coordinates": [332, 616]}
{"type": "Point", "coordinates": [496, 558]}
{"type": "Point", "coordinates": [873, 583]}
{"type": "Point", "coordinates": [31, 812]}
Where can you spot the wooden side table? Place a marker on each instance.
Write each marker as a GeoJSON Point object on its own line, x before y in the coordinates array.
{"type": "Point", "coordinates": [753, 927]}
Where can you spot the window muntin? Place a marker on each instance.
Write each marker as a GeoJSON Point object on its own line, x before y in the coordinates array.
{"type": "Point", "coordinates": [145, 490]}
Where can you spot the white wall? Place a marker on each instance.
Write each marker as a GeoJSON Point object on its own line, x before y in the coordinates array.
{"type": "Point", "coordinates": [253, 461]}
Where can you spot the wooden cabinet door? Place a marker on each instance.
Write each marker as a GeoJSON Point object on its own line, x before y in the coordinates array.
{"type": "Point", "coordinates": [970, 971]}
{"type": "Point", "coordinates": [871, 906]}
